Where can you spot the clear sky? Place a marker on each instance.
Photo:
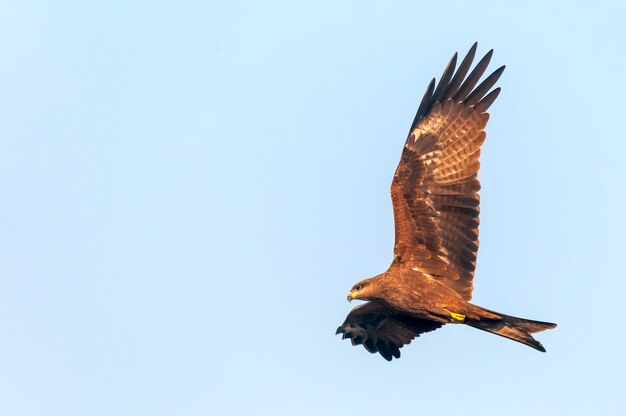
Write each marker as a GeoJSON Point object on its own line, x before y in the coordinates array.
{"type": "Point", "coordinates": [189, 189]}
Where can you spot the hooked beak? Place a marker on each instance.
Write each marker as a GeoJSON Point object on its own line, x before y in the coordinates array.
{"type": "Point", "coordinates": [350, 297]}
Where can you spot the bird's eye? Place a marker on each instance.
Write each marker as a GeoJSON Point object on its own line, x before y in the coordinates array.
{"type": "Point", "coordinates": [357, 287]}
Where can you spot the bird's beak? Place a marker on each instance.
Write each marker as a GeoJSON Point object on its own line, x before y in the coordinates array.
{"type": "Point", "coordinates": [350, 297]}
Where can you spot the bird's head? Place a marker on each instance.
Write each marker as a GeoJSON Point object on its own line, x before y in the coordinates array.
{"type": "Point", "coordinates": [363, 290]}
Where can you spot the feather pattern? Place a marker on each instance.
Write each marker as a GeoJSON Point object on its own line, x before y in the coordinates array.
{"type": "Point", "coordinates": [382, 329]}
{"type": "Point", "coordinates": [435, 187]}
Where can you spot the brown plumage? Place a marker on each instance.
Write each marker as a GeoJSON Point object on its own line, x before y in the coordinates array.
{"type": "Point", "coordinates": [436, 206]}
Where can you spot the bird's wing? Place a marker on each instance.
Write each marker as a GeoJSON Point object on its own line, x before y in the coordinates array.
{"type": "Point", "coordinates": [435, 187]}
{"type": "Point", "coordinates": [382, 329]}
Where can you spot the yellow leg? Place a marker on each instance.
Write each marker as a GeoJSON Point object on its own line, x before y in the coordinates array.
{"type": "Point", "coordinates": [457, 316]}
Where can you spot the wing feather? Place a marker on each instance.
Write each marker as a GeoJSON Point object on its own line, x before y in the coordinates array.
{"type": "Point", "coordinates": [462, 71]}
{"type": "Point", "coordinates": [486, 102]}
{"type": "Point", "coordinates": [473, 77]}
{"type": "Point", "coordinates": [445, 79]}
{"type": "Point", "coordinates": [426, 101]}
{"type": "Point", "coordinates": [435, 187]}
{"type": "Point", "coordinates": [484, 87]}
{"type": "Point", "coordinates": [382, 329]}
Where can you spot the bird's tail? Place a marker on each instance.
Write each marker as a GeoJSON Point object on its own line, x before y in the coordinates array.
{"type": "Point", "coordinates": [517, 329]}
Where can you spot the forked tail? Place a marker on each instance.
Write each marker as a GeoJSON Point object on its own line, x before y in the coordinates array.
{"type": "Point", "coordinates": [517, 329]}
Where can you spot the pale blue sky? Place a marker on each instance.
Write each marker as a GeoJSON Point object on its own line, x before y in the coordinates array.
{"type": "Point", "coordinates": [189, 189]}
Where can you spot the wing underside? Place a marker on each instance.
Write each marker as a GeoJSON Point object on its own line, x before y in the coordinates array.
{"type": "Point", "coordinates": [381, 329]}
{"type": "Point", "coordinates": [435, 187]}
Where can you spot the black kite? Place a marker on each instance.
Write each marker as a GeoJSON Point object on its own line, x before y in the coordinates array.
{"type": "Point", "coordinates": [436, 206]}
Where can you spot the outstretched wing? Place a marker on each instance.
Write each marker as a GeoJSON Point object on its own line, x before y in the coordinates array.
{"type": "Point", "coordinates": [382, 329]}
{"type": "Point", "coordinates": [435, 187]}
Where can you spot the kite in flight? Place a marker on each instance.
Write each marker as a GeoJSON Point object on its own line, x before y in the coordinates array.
{"type": "Point", "coordinates": [435, 206]}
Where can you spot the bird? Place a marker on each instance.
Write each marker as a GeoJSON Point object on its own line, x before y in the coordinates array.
{"type": "Point", "coordinates": [436, 214]}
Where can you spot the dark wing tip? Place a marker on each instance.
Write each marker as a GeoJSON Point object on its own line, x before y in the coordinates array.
{"type": "Point", "coordinates": [473, 77]}
{"type": "Point", "coordinates": [461, 72]}
{"type": "Point", "coordinates": [480, 91]}
{"type": "Point", "coordinates": [385, 353]}
{"type": "Point", "coordinates": [484, 104]}
{"type": "Point", "coordinates": [444, 81]}
{"type": "Point", "coordinates": [370, 345]}
{"type": "Point", "coordinates": [454, 85]}
{"type": "Point", "coordinates": [424, 104]}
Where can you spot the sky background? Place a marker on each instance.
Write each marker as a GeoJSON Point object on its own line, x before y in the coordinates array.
{"type": "Point", "coordinates": [189, 189]}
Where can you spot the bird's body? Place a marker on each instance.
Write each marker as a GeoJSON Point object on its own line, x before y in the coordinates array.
{"type": "Point", "coordinates": [436, 210]}
{"type": "Point", "coordinates": [422, 296]}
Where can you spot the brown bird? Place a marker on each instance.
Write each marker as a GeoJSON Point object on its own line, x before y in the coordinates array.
{"type": "Point", "coordinates": [436, 206]}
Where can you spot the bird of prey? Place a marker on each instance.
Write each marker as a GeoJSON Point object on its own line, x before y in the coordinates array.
{"type": "Point", "coordinates": [436, 206]}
